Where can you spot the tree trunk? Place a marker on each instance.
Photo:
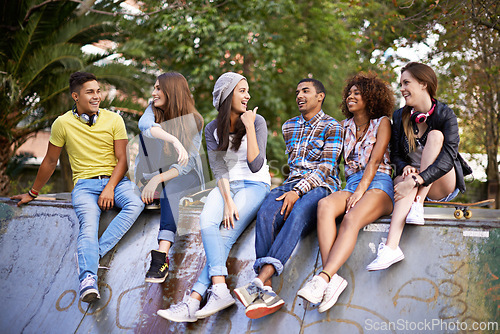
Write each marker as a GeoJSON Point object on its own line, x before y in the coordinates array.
{"type": "Point", "coordinates": [5, 154]}
{"type": "Point", "coordinates": [492, 136]}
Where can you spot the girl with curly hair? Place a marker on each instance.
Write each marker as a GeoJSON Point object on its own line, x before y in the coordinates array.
{"type": "Point", "coordinates": [367, 103]}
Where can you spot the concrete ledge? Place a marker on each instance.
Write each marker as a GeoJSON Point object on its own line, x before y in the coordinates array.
{"type": "Point", "coordinates": [450, 274]}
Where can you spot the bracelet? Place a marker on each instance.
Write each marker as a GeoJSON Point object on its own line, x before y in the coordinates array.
{"type": "Point", "coordinates": [298, 192]}
{"type": "Point", "coordinates": [33, 194]}
{"type": "Point", "coordinates": [417, 184]}
{"type": "Point", "coordinates": [327, 274]}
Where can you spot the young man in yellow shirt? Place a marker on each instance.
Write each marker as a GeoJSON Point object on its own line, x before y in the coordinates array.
{"type": "Point", "coordinates": [96, 141]}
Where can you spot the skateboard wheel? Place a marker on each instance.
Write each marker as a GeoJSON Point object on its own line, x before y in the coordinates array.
{"type": "Point", "coordinates": [467, 214]}
{"type": "Point", "coordinates": [186, 202]}
{"type": "Point", "coordinates": [458, 214]}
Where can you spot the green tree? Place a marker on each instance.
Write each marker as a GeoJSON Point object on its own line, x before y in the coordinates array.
{"type": "Point", "coordinates": [41, 46]}
{"type": "Point", "coordinates": [273, 43]}
{"type": "Point", "coordinates": [468, 52]}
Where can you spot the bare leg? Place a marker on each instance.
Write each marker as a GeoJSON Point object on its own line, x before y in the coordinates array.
{"type": "Point", "coordinates": [196, 295]}
{"type": "Point", "coordinates": [329, 208]}
{"type": "Point", "coordinates": [164, 246]}
{"type": "Point", "coordinates": [437, 190]}
{"type": "Point", "coordinates": [374, 204]}
{"type": "Point", "coordinates": [266, 272]}
{"type": "Point", "coordinates": [215, 280]}
{"type": "Point", "coordinates": [398, 219]}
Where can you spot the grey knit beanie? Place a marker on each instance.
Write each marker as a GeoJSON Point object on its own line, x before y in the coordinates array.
{"type": "Point", "coordinates": [224, 86]}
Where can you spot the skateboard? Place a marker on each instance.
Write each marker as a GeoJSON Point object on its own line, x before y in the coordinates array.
{"type": "Point", "coordinates": [197, 198]}
{"type": "Point", "coordinates": [462, 209]}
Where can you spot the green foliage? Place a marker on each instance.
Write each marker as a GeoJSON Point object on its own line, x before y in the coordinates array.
{"type": "Point", "coordinates": [273, 43]}
{"type": "Point", "coordinates": [40, 48]}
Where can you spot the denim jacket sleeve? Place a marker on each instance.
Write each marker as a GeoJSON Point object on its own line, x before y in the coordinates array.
{"type": "Point", "coordinates": [147, 121]}
{"type": "Point", "coordinates": [193, 153]}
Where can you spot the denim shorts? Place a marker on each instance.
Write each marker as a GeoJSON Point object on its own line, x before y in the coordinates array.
{"type": "Point", "coordinates": [380, 181]}
{"type": "Point", "coordinates": [448, 198]}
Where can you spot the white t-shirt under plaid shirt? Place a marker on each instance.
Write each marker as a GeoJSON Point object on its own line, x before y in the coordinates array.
{"type": "Point", "coordinates": [313, 149]}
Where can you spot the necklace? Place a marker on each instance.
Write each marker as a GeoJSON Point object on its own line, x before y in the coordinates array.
{"type": "Point", "coordinates": [362, 132]}
{"type": "Point", "coordinates": [358, 127]}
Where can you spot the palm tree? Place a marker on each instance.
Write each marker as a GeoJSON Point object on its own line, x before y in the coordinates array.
{"type": "Point", "coordinates": [41, 46]}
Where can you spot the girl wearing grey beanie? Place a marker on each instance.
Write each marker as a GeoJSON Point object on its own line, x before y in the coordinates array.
{"type": "Point", "coordinates": [236, 145]}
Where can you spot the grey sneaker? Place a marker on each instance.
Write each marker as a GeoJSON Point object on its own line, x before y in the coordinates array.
{"type": "Point", "coordinates": [335, 287]}
{"type": "Point", "coordinates": [314, 290]}
{"type": "Point", "coordinates": [215, 304]}
{"type": "Point", "coordinates": [247, 293]}
{"type": "Point", "coordinates": [416, 214]}
{"type": "Point", "coordinates": [88, 289]}
{"type": "Point", "coordinates": [386, 256]}
{"type": "Point", "coordinates": [181, 312]}
{"type": "Point", "coordinates": [267, 302]}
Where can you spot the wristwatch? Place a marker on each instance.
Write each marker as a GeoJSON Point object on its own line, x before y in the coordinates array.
{"type": "Point", "coordinates": [417, 184]}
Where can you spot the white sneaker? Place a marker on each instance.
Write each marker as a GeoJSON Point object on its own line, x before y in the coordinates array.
{"type": "Point", "coordinates": [182, 312]}
{"type": "Point", "coordinates": [385, 257]}
{"type": "Point", "coordinates": [314, 290]}
{"type": "Point", "coordinates": [218, 300]}
{"type": "Point", "coordinates": [416, 214]}
{"type": "Point", "coordinates": [89, 292]}
{"type": "Point", "coordinates": [335, 287]}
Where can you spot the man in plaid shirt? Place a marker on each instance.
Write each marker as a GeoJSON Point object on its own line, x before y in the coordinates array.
{"type": "Point", "coordinates": [313, 144]}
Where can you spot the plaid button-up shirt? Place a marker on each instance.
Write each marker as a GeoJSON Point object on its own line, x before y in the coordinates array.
{"type": "Point", "coordinates": [313, 149]}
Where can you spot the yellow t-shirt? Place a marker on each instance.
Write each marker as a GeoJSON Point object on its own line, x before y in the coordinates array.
{"type": "Point", "coordinates": [91, 149]}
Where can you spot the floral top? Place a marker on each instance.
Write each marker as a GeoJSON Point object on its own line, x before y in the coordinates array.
{"type": "Point", "coordinates": [363, 148]}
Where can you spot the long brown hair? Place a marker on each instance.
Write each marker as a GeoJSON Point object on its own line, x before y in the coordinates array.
{"type": "Point", "coordinates": [424, 74]}
{"type": "Point", "coordinates": [224, 125]}
{"type": "Point", "coordinates": [179, 102]}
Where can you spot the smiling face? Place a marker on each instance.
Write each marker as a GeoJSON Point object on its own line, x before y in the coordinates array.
{"type": "Point", "coordinates": [412, 90]}
{"type": "Point", "coordinates": [159, 98]}
{"type": "Point", "coordinates": [308, 100]}
{"type": "Point", "coordinates": [241, 95]}
{"type": "Point", "coordinates": [354, 100]}
{"type": "Point", "coordinates": [88, 98]}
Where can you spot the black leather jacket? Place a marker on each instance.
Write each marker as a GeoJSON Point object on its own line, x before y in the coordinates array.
{"type": "Point", "coordinates": [444, 120]}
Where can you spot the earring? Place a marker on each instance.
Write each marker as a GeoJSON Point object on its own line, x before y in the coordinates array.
{"type": "Point", "coordinates": [76, 100]}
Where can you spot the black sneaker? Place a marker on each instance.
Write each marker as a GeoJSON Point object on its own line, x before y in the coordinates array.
{"type": "Point", "coordinates": [158, 271]}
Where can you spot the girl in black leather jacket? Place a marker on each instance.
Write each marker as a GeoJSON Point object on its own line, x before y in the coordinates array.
{"type": "Point", "coordinates": [424, 150]}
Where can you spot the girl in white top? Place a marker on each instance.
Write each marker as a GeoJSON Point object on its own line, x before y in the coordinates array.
{"type": "Point", "coordinates": [236, 145]}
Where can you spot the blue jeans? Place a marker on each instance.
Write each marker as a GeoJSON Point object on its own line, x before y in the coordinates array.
{"type": "Point", "coordinates": [448, 198]}
{"type": "Point", "coordinates": [217, 241]}
{"type": "Point", "coordinates": [174, 190]}
{"type": "Point", "coordinates": [275, 238]}
{"type": "Point", "coordinates": [84, 198]}
{"type": "Point", "coordinates": [380, 181]}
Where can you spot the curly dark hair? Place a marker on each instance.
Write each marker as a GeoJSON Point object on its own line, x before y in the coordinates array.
{"type": "Point", "coordinates": [376, 93]}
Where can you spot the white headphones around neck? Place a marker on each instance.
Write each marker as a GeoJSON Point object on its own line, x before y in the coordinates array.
{"type": "Point", "coordinates": [84, 118]}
